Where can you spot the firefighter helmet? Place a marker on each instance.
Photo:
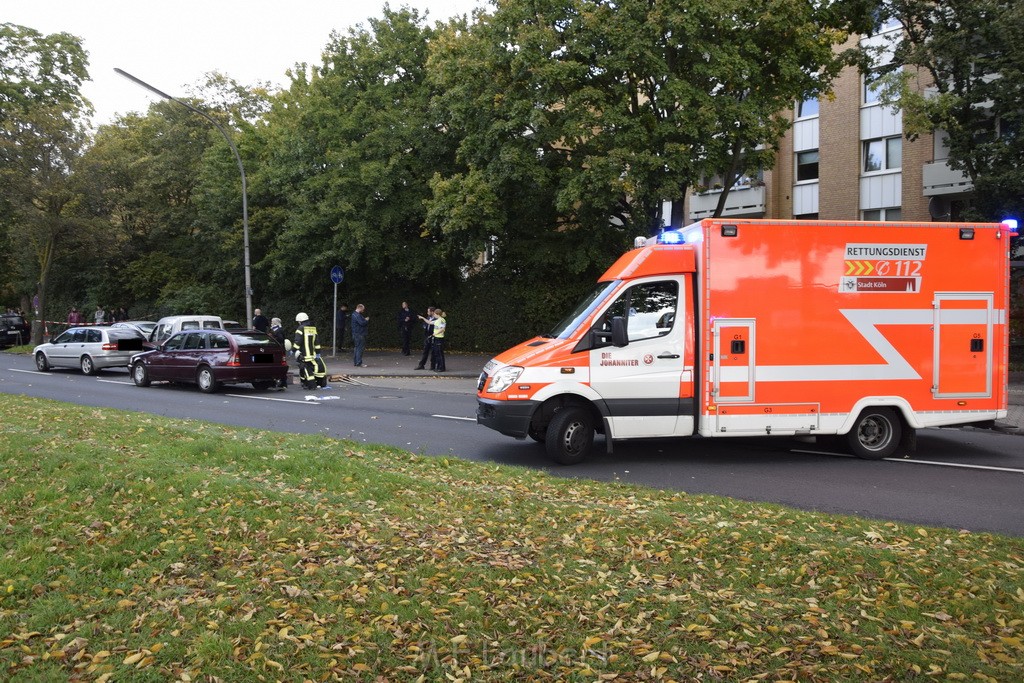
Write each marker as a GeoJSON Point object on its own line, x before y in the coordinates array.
{"type": "Point", "coordinates": [301, 318]}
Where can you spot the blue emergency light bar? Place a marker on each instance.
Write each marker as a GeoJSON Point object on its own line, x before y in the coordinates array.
{"type": "Point", "coordinates": [1012, 225]}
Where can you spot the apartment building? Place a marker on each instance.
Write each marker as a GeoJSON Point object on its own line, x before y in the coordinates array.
{"type": "Point", "coordinates": [845, 158]}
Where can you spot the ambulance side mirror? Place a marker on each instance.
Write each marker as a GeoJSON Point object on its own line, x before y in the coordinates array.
{"type": "Point", "coordinates": [619, 336]}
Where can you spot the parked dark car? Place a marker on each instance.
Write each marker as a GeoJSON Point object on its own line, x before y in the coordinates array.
{"type": "Point", "coordinates": [89, 348]}
{"type": "Point", "coordinates": [210, 358]}
{"type": "Point", "coordinates": [14, 330]}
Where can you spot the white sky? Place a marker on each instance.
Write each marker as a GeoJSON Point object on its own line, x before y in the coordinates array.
{"type": "Point", "coordinates": [172, 44]}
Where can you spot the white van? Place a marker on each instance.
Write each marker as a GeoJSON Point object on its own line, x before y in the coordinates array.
{"type": "Point", "coordinates": [171, 324]}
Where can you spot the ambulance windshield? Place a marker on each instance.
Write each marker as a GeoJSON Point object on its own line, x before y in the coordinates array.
{"type": "Point", "coordinates": [567, 327]}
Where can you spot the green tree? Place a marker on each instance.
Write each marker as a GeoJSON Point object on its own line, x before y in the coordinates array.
{"type": "Point", "coordinates": [973, 90]}
{"type": "Point", "coordinates": [42, 115]}
{"type": "Point", "coordinates": [622, 105]}
{"type": "Point", "coordinates": [346, 161]}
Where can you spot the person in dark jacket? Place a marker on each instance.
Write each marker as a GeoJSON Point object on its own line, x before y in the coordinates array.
{"type": "Point", "coordinates": [360, 326]}
{"type": "Point", "coordinates": [340, 320]}
{"type": "Point", "coordinates": [277, 333]}
{"type": "Point", "coordinates": [428, 338]}
{"type": "Point", "coordinates": [405, 327]}
{"type": "Point", "coordinates": [260, 322]}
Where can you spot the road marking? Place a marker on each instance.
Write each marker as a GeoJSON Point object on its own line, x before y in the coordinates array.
{"type": "Point", "coordinates": [957, 464]}
{"type": "Point", "coordinates": [453, 417]}
{"type": "Point", "coordinates": [267, 398]}
{"type": "Point", "coordinates": [920, 462]}
{"type": "Point", "coordinates": [31, 372]}
{"type": "Point", "coordinates": [114, 381]}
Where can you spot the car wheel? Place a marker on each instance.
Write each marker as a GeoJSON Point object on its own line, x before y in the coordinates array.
{"type": "Point", "coordinates": [42, 365]}
{"type": "Point", "coordinates": [205, 380]}
{"type": "Point", "coordinates": [88, 366]}
{"type": "Point", "coordinates": [570, 435]}
{"type": "Point", "coordinates": [876, 434]}
{"type": "Point", "coordinates": [140, 375]}
{"type": "Point", "coordinates": [262, 385]}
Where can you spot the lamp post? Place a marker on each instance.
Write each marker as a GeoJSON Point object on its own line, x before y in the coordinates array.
{"type": "Point", "coordinates": [241, 169]}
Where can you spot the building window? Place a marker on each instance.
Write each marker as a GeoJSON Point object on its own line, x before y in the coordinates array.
{"type": "Point", "coordinates": [806, 217]}
{"type": "Point", "coordinates": [807, 108]}
{"type": "Point", "coordinates": [872, 87]}
{"type": "Point", "coordinates": [890, 214]}
{"type": "Point", "coordinates": [883, 154]}
{"type": "Point", "coordinates": [807, 165]}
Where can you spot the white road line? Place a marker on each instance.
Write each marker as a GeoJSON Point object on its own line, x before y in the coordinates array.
{"type": "Point", "coordinates": [957, 464]}
{"type": "Point", "coordinates": [115, 381]}
{"type": "Point", "coordinates": [453, 417]}
{"type": "Point", "coordinates": [267, 398]}
{"type": "Point", "coordinates": [30, 372]}
{"type": "Point", "coordinates": [920, 462]}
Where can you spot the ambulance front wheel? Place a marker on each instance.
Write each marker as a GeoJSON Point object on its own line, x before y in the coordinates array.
{"type": "Point", "coordinates": [570, 435]}
{"type": "Point", "coordinates": [876, 434]}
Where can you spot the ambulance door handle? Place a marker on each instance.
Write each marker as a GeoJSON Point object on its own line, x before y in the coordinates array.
{"type": "Point", "coordinates": [669, 355]}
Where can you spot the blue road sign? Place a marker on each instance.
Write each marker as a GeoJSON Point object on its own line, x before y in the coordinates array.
{"type": "Point", "coordinates": [337, 274]}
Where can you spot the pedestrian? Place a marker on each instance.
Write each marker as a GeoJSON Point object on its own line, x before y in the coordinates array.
{"type": "Point", "coordinates": [306, 346]}
{"type": "Point", "coordinates": [277, 332]}
{"type": "Point", "coordinates": [99, 316]}
{"type": "Point", "coordinates": [360, 324]}
{"type": "Point", "coordinates": [260, 322]}
{"type": "Point", "coordinates": [340, 319]}
{"type": "Point", "coordinates": [74, 317]}
{"type": "Point", "coordinates": [428, 337]}
{"type": "Point", "coordinates": [122, 314]}
{"type": "Point", "coordinates": [405, 327]}
{"type": "Point", "coordinates": [437, 352]}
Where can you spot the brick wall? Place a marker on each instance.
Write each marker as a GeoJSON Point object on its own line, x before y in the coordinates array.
{"type": "Point", "coordinates": [839, 165]}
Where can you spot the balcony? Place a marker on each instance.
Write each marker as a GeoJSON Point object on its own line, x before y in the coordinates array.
{"type": "Point", "coordinates": [939, 179]}
{"type": "Point", "coordinates": [743, 200]}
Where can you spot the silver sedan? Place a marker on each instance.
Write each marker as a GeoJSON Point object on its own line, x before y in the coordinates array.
{"type": "Point", "coordinates": [89, 348]}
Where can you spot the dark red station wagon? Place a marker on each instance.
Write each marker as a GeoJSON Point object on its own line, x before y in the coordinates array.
{"type": "Point", "coordinates": [210, 358]}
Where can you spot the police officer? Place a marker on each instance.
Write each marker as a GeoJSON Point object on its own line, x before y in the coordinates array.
{"type": "Point", "coordinates": [306, 346]}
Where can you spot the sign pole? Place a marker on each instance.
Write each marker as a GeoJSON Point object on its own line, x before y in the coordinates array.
{"type": "Point", "coordinates": [337, 275]}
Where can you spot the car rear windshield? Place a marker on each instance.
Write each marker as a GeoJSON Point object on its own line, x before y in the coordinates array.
{"type": "Point", "coordinates": [244, 339]}
{"type": "Point", "coordinates": [123, 333]}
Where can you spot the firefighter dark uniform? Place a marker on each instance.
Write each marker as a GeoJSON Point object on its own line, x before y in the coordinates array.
{"type": "Point", "coordinates": [306, 346]}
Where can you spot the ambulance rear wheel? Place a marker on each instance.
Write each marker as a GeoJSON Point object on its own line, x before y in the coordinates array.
{"type": "Point", "coordinates": [876, 434]}
{"type": "Point", "coordinates": [570, 435]}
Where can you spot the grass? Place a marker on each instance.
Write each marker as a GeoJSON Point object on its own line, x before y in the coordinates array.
{"type": "Point", "coordinates": [142, 548]}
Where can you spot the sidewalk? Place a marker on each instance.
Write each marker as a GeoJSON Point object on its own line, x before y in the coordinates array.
{"type": "Point", "coordinates": [392, 365]}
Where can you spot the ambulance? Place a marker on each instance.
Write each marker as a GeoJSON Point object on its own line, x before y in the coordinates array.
{"type": "Point", "coordinates": [730, 328]}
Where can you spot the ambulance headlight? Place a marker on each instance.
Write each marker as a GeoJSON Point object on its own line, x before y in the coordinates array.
{"type": "Point", "coordinates": [504, 378]}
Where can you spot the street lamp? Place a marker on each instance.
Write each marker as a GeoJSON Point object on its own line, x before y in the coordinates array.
{"type": "Point", "coordinates": [241, 169]}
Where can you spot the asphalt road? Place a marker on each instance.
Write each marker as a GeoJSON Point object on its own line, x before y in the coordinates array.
{"type": "Point", "coordinates": [959, 478]}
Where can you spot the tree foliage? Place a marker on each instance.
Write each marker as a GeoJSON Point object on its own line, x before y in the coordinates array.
{"type": "Point", "coordinates": [973, 91]}
{"type": "Point", "coordinates": [41, 136]}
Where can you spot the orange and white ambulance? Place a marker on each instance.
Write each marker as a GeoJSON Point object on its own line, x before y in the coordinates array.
{"type": "Point", "coordinates": [743, 327]}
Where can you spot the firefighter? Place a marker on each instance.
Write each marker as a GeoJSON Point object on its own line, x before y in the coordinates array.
{"type": "Point", "coordinates": [312, 369]}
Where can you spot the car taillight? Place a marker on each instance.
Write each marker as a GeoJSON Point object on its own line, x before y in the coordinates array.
{"type": "Point", "coordinates": [233, 361]}
{"type": "Point", "coordinates": [110, 346]}
{"type": "Point", "coordinates": [284, 360]}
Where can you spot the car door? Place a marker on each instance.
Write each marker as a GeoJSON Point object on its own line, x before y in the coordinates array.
{"type": "Point", "coordinates": [640, 382]}
{"type": "Point", "coordinates": [58, 351]}
{"type": "Point", "coordinates": [164, 363]}
{"type": "Point", "coordinates": [191, 354]}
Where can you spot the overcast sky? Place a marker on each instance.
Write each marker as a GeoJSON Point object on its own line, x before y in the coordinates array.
{"type": "Point", "coordinates": [172, 44]}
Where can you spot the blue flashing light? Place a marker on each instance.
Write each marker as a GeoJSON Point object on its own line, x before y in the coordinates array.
{"type": "Point", "coordinates": [671, 237]}
{"type": "Point", "coordinates": [1012, 225]}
